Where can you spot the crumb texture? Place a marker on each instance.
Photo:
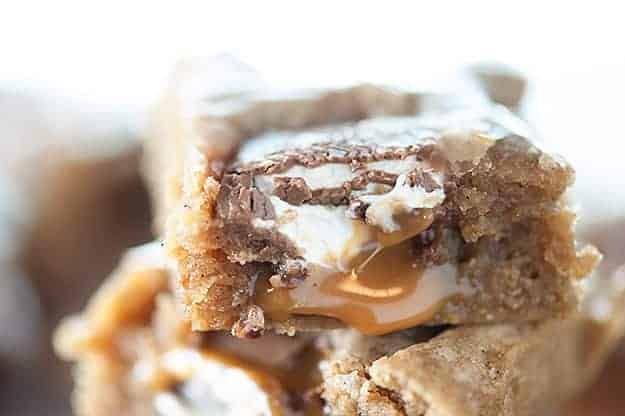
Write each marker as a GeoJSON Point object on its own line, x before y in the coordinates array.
{"type": "Point", "coordinates": [510, 370]}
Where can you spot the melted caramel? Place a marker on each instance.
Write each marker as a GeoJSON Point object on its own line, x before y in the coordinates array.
{"type": "Point", "coordinates": [410, 225]}
{"type": "Point", "coordinates": [383, 289]}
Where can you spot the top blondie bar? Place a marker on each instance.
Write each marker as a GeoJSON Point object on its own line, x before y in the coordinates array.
{"type": "Point", "coordinates": [368, 207]}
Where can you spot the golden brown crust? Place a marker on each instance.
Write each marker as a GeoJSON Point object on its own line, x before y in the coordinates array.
{"type": "Point", "coordinates": [109, 333]}
{"type": "Point", "coordinates": [119, 341]}
{"type": "Point", "coordinates": [102, 389]}
{"type": "Point", "coordinates": [496, 370]}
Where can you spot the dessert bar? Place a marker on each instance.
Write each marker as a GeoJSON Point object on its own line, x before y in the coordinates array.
{"type": "Point", "coordinates": [362, 207]}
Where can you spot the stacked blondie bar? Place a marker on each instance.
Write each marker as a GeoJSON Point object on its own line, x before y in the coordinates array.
{"type": "Point", "coordinates": [351, 251]}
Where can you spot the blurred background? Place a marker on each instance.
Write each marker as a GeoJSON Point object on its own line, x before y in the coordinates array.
{"type": "Point", "coordinates": [78, 79]}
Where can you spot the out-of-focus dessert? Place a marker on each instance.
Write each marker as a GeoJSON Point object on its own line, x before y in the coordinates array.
{"type": "Point", "coordinates": [85, 212]}
{"type": "Point", "coordinates": [20, 320]}
{"type": "Point", "coordinates": [605, 396]}
{"type": "Point", "coordinates": [137, 355]}
{"type": "Point", "coordinates": [77, 202]}
{"type": "Point", "coordinates": [82, 196]}
{"type": "Point", "coordinates": [503, 84]}
{"type": "Point", "coordinates": [368, 207]}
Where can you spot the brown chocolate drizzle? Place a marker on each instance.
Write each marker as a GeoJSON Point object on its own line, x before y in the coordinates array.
{"type": "Point", "coordinates": [353, 153]}
{"type": "Point", "coordinates": [238, 200]}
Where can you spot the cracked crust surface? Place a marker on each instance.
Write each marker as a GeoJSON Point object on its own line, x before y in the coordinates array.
{"type": "Point", "coordinates": [520, 370]}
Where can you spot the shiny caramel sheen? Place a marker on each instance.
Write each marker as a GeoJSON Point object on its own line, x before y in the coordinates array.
{"type": "Point", "coordinates": [383, 289]}
{"type": "Point", "coordinates": [410, 225]}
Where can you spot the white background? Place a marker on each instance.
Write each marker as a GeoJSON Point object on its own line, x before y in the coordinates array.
{"type": "Point", "coordinates": [114, 53]}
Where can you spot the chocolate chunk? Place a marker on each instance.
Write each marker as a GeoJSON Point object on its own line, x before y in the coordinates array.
{"type": "Point", "coordinates": [357, 155]}
{"type": "Point", "coordinates": [380, 176]}
{"type": "Point", "coordinates": [331, 196]}
{"type": "Point", "coordinates": [295, 191]}
{"type": "Point", "coordinates": [239, 202]}
{"type": "Point", "coordinates": [261, 206]}
{"type": "Point", "coordinates": [234, 201]}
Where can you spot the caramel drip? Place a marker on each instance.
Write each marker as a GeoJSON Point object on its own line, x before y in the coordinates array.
{"type": "Point", "coordinates": [384, 289]}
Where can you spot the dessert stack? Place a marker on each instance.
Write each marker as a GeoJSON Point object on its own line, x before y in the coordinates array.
{"type": "Point", "coordinates": [353, 251]}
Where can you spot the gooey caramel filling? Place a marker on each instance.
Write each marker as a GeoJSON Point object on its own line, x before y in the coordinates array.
{"type": "Point", "coordinates": [384, 288]}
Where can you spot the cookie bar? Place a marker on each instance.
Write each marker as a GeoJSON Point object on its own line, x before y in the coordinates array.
{"type": "Point", "coordinates": [503, 369]}
{"type": "Point", "coordinates": [136, 355]}
{"type": "Point", "coordinates": [364, 207]}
